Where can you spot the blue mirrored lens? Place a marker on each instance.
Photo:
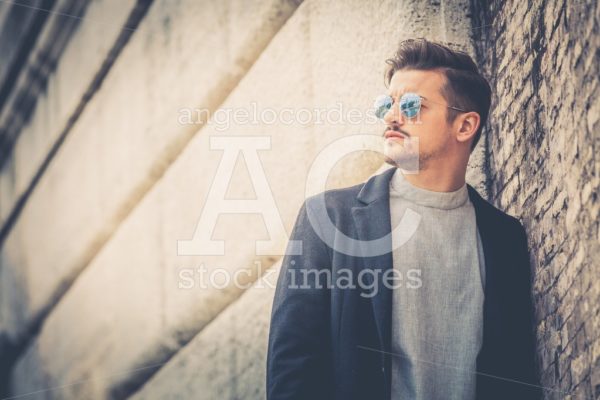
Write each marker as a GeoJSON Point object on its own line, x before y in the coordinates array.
{"type": "Point", "coordinates": [382, 105]}
{"type": "Point", "coordinates": [410, 104]}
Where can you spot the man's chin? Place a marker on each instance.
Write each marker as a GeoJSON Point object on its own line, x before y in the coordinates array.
{"type": "Point", "coordinates": [402, 159]}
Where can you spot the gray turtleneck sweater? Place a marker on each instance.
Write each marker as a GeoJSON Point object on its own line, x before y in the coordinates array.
{"type": "Point", "coordinates": [437, 323]}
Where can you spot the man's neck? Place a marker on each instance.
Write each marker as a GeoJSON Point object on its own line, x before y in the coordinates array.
{"type": "Point", "coordinates": [437, 179]}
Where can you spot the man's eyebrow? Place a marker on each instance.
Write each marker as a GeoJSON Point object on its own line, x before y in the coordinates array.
{"type": "Point", "coordinates": [410, 90]}
{"type": "Point", "coordinates": [391, 94]}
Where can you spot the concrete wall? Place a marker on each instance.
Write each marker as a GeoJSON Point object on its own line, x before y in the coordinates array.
{"type": "Point", "coordinates": [543, 61]}
{"type": "Point", "coordinates": [91, 297]}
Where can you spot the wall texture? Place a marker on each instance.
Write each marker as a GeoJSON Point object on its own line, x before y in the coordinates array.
{"type": "Point", "coordinates": [543, 144]}
{"type": "Point", "coordinates": [100, 176]}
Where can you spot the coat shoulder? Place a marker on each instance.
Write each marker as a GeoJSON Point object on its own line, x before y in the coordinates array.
{"type": "Point", "coordinates": [337, 199]}
{"type": "Point", "coordinates": [492, 212]}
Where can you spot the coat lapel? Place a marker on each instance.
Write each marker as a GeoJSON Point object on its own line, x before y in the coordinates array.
{"type": "Point", "coordinates": [372, 221]}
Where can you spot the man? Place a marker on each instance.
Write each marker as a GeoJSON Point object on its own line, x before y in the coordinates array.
{"type": "Point", "coordinates": [460, 323]}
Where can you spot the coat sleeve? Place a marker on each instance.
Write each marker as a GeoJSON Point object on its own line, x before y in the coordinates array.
{"type": "Point", "coordinates": [299, 349]}
{"type": "Point", "coordinates": [525, 369]}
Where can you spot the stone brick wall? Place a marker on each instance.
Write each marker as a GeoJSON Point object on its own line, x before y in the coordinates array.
{"type": "Point", "coordinates": [543, 165]}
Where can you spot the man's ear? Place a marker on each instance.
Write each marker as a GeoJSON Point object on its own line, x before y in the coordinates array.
{"type": "Point", "coordinates": [467, 125]}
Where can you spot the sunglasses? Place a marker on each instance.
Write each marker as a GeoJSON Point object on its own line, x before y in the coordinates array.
{"type": "Point", "coordinates": [410, 105]}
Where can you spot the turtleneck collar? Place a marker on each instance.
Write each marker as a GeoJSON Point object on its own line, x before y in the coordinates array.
{"type": "Point", "coordinates": [399, 186]}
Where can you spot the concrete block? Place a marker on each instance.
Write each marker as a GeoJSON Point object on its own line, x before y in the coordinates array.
{"type": "Point", "coordinates": [227, 359]}
{"type": "Point", "coordinates": [77, 66]}
{"type": "Point", "coordinates": [129, 133]}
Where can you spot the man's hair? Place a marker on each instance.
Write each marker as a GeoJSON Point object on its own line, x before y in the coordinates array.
{"type": "Point", "coordinates": [465, 87]}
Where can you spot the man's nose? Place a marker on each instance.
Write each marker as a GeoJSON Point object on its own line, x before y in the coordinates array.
{"type": "Point", "coordinates": [393, 116]}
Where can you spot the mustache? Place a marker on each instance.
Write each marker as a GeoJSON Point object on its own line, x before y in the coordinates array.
{"type": "Point", "coordinates": [394, 128]}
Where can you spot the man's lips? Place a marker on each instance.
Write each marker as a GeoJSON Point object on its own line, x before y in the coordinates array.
{"type": "Point", "coordinates": [394, 134]}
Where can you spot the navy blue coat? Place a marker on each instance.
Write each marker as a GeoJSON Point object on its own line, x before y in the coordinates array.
{"type": "Point", "coordinates": [334, 343]}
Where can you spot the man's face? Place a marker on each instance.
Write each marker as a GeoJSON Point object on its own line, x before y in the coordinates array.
{"type": "Point", "coordinates": [427, 136]}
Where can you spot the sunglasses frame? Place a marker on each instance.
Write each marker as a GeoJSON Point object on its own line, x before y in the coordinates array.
{"type": "Point", "coordinates": [404, 111]}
